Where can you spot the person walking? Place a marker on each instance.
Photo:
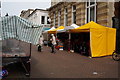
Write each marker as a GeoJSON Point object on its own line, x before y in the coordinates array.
{"type": "Point", "coordinates": [40, 43]}
{"type": "Point", "coordinates": [53, 43]}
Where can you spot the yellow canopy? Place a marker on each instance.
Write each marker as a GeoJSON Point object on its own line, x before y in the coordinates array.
{"type": "Point", "coordinates": [87, 27]}
{"type": "Point", "coordinates": [102, 39]}
{"type": "Point", "coordinates": [54, 30]}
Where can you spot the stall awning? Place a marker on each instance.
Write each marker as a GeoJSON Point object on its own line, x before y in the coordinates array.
{"type": "Point", "coordinates": [55, 30]}
{"type": "Point", "coordinates": [73, 26]}
{"type": "Point", "coordinates": [46, 31]}
{"type": "Point", "coordinates": [46, 28]}
{"type": "Point", "coordinates": [87, 27]}
{"type": "Point", "coordinates": [67, 28]}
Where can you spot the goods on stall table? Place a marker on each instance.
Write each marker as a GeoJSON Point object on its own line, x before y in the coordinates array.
{"type": "Point", "coordinates": [60, 44]}
{"type": "Point", "coordinates": [60, 47]}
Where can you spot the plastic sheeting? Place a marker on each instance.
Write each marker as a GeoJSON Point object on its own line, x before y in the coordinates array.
{"type": "Point", "coordinates": [21, 29]}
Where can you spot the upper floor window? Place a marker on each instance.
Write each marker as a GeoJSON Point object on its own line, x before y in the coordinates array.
{"type": "Point", "coordinates": [65, 17]}
{"type": "Point", "coordinates": [59, 18]}
{"type": "Point", "coordinates": [91, 11]}
{"type": "Point", "coordinates": [54, 19]}
{"type": "Point", "coordinates": [74, 14]}
{"type": "Point", "coordinates": [42, 19]}
{"type": "Point", "coordinates": [48, 22]}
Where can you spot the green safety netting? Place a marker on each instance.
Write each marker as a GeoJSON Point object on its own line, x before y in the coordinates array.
{"type": "Point", "coordinates": [19, 28]}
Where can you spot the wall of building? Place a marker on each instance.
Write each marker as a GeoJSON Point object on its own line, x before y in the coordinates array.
{"type": "Point", "coordinates": [105, 12]}
{"type": "Point", "coordinates": [110, 13]}
{"type": "Point", "coordinates": [43, 14]}
{"type": "Point", "coordinates": [35, 16]}
{"type": "Point", "coordinates": [79, 12]}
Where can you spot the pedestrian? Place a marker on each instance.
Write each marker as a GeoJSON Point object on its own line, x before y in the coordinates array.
{"type": "Point", "coordinates": [40, 43]}
{"type": "Point", "coordinates": [53, 43]}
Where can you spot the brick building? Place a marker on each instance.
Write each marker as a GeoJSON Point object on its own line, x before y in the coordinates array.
{"type": "Point", "coordinates": [67, 13]}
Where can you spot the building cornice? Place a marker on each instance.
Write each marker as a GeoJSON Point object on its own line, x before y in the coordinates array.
{"type": "Point", "coordinates": [55, 5]}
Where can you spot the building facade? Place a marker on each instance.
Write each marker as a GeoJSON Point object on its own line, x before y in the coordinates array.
{"type": "Point", "coordinates": [38, 16]}
{"type": "Point", "coordinates": [80, 13]}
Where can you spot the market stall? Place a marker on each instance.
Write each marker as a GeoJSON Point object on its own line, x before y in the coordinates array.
{"type": "Point", "coordinates": [102, 39]}
{"type": "Point", "coordinates": [55, 31]}
{"type": "Point", "coordinates": [63, 38]}
{"type": "Point", "coordinates": [65, 32]}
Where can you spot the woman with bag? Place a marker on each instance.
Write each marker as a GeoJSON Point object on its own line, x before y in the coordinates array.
{"type": "Point", "coordinates": [40, 44]}
{"type": "Point", "coordinates": [53, 43]}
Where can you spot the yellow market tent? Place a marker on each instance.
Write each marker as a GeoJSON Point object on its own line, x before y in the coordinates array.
{"type": "Point", "coordinates": [102, 39]}
{"type": "Point", "coordinates": [55, 30]}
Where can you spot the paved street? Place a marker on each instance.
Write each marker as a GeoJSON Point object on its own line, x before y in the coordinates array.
{"type": "Point", "coordinates": [71, 65]}
{"type": "Point", "coordinates": [68, 65]}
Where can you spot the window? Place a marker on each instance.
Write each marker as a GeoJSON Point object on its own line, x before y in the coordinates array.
{"type": "Point", "coordinates": [54, 19]}
{"type": "Point", "coordinates": [65, 17]}
{"type": "Point", "coordinates": [59, 18]}
{"type": "Point", "coordinates": [74, 14]}
{"type": "Point", "coordinates": [43, 19]}
{"type": "Point", "coordinates": [91, 11]}
{"type": "Point", "coordinates": [48, 22]}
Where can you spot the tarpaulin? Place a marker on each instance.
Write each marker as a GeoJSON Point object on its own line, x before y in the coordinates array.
{"type": "Point", "coordinates": [19, 28]}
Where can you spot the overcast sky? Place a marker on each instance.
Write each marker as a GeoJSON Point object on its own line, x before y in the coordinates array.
{"type": "Point", "coordinates": [14, 7]}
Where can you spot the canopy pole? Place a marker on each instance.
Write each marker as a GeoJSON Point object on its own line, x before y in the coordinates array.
{"type": "Point", "coordinates": [69, 41]}
{"type": "Point", "coordinates": [47, 39]}
{"type": "Point", "coordinates": [30, 50]}
{"type": "Point", "coordinates": [90, 45]}
{"type": "Point", "coordinates": [56, 34]}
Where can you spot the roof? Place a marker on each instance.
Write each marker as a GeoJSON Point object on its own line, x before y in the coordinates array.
{"type": "Point", "coordinates": [24, 11]}
{"type": "Point", "coordinates": [35, 11]}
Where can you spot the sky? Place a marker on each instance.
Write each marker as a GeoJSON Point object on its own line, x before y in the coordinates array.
{"type": "Point", "coordinates": [14, 7]}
